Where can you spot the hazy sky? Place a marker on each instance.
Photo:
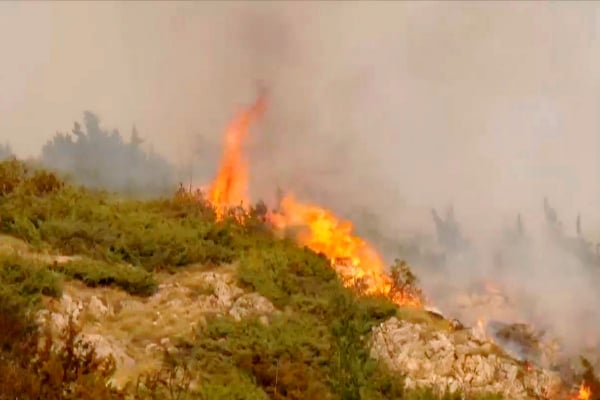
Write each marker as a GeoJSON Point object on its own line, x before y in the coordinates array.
{"type": "Point", "coordinates": [429, 102]}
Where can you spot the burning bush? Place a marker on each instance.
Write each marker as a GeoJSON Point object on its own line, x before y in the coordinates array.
{"type": "Point", "coordinates": [589, 388]}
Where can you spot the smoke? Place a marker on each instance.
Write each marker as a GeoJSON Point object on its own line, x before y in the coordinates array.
{"type": "Point", "coordinates": [378, 110]}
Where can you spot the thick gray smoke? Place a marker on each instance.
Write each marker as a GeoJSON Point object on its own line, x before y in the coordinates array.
{"type": "Point", "coordinates": [380, 111]}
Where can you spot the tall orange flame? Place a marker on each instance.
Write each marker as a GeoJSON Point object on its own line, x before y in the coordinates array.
{"type": "Point", "coordinates": [230, 186]}
{"type": "Point", "coordinates": [356, 261]}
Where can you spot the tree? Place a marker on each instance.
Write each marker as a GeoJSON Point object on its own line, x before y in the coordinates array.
{"type": "Point", "coordinates": [135, 140]}
{"type": "Point", "coordinates": [5, 151]}
{"type": "Point", "coordinates": [99, 158]}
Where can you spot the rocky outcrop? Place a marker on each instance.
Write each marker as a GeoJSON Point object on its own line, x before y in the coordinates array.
{"type": "Point", "coordinates": [457, 361]}
{"type": "Point", "coordinates": [136, 331]}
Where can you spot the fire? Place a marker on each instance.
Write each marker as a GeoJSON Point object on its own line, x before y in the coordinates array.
{"type": "Point", "coordinates": [354, 259]}
{"type": "Point", "coordinates": [585, 393]}
{"type": "Point", "coordinates": [229, 188]}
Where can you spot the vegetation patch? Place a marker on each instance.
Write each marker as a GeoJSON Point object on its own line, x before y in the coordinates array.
{"type": "Point", "coordinates": [133, 280]}
{"type": "Point", "coordinates": [27, 278]}
{"type": "Point", "coordinates": [315, 347]}
{"type": "Point", "coordinates": [72, 220]}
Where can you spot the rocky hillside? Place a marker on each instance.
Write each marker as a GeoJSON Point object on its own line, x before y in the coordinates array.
{"type": "Point", "coordinates": [427, 351]}
{"type": "Point", "coordinates": [458, 360]}
{"type": "Point", "coordinates": [137, 331]}
{"type": "Point", "coordinates": [108, 298]}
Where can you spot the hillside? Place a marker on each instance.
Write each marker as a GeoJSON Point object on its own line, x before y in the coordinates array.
{"type": "Point", "coordinates": [178, 303]}
{"type": "Point", "coordinates": [205, 295]}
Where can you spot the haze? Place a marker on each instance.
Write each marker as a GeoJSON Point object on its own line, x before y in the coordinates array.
{"type": "Point", "coordinates": [391, 107]}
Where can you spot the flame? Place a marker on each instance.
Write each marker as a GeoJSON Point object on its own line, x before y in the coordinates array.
{"type": "Point", "coordinates": [230, 186]}
{"type": "Point", "coordinates": [355, 260]}
{"type": "Point", "coordinates": [585, 393]}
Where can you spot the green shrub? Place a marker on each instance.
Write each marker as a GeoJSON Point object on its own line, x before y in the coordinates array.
{"type": "Point", "coordinates": [22, 282]}
{"type": "Point", "coordinates": [15, 318]}
{"type": "Point", "coordinates": [133, 280]}
{"type": "Point", "coordinates": [285, 359]}
{"type": "Point", "coordinates": [288, 275]}
{"type": "Point", "coordinates": [239, 389]}
{"type": "Point", "coordinates": [39, 208]}
{"type": "Point", "coordinates": [75, 221]}
{"type": "Point", "coordinates": [26, 278]}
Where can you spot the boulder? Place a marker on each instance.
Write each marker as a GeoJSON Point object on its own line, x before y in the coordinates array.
{"type": "Point", "coordinates": [105, 347]}
{"type": "Point", "coordinates": [250, 304]}
{"type": "Point", "coordinates": [96, 308]}
{"type": "Point", "coordinates": [454, 361]}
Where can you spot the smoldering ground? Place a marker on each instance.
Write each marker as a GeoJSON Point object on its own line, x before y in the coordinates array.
{"type": "Point", "coordinates": [378, 111]}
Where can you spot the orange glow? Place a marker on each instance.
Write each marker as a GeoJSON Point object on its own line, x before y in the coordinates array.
{"type": "Point", "coordinates": [355, 260]}
{"type": "Point", "coordinates": [230, 186]}
{"type": "Point", "coordinates": [585, 393]}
